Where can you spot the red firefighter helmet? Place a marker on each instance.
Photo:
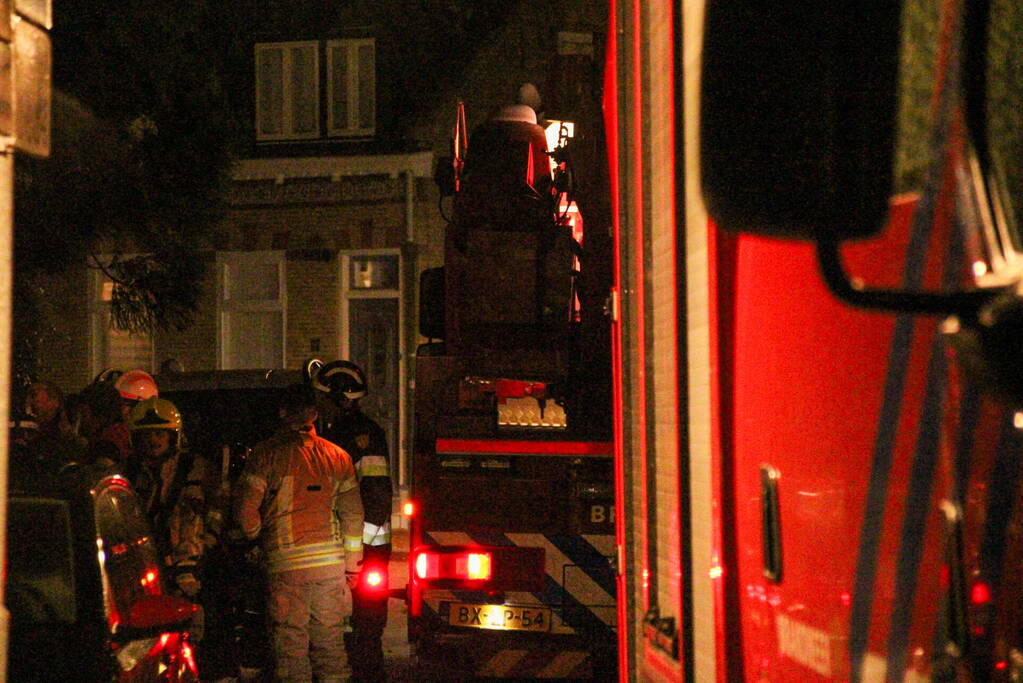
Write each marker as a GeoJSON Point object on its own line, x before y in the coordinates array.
{"type": "Point", "coordinates": [136, 385]}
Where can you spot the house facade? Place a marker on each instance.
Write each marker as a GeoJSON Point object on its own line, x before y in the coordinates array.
{"type": "Point", "coordinates": [332, 211]}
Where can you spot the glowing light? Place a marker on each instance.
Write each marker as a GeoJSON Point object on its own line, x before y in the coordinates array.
{"type": "Point", "coordinates": [423, 566]}
{"type": "Point", "coordinates": [1001, 666]}
{"type": "Point", "coordinates": [553, 132]}
{"type": "Point", "coordinates": [186, 652]}
{"type": "Point", "coordinates": [409, 508]}
{"type": "Point", "coordinates": [716, 571]}
{"type": "Point", "coordinates": [1017, 420]}
{"type": "Point", "coordinates": [980, 594]}
{"type": "Point", "coordinates": [478, 566]}
{"type": "Point", "coordinates": [951, 325]}
{"type": "Point", "coordinates": [845, 597]}
{"type": "Point", "coordinates": [374, 579]}
{"type": "Point", "coordinates": [979, 268]}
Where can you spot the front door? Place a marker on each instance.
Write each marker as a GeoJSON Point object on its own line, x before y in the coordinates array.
{"type": "Point", "coordinates": [372, 330]}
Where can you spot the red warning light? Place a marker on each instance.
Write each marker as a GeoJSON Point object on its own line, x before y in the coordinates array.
{"type": "Point", "coordinates": [980, 594]}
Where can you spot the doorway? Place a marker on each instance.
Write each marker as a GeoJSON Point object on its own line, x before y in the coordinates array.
{"type": "Point", "coordinates": [371, 330]}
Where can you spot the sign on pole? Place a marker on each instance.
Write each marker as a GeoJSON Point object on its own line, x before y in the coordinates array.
{"type": "Point", "coordinates": [32, 90]}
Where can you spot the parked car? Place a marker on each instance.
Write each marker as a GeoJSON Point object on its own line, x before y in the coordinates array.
{"type": "Point", "coordinates": [84, 585]}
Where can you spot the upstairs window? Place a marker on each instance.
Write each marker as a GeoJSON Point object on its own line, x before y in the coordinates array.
{"type": "Point", "coordinates": [292, 87]}
{"type": "Point", "coordinates": [351, 87]}
{"type": "Point", "coordinates": [287, 91]}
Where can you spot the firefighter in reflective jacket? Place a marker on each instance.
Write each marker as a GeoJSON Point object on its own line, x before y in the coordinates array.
{"type": "Point", "coordinates": [298, 493]}
{"type": "Point", "coordinates": [344, 383]}
{"type": "Point", "coordinates": [169, 481]}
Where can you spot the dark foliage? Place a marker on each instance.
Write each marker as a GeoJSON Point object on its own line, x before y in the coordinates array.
{"type": "Point", "coordinates": [143, 135]}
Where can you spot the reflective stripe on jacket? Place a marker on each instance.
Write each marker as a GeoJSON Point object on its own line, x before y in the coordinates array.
{"type": "Point", "coordinates": [365, 440]}
{"type": "Point", "coordinates": [299, 493]}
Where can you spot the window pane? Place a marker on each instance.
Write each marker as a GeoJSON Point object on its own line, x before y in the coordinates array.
{"type": "Point", "coordinates": [117, 348]}
{"type": "Point", "coordinates": [374, 272]}
{"type": "Point", "coordinates": [254, 339]}
{"type": "Point", "coordinates": [339, 87]}
{"type": "Point", "coordinates": [270, 91]}
{"type": "Point", "coordinates": [40, 576]}
{"type": "Point", "coordinates": [252, 282]}
{"type": "Point", "coordinates": [367, 86]}
{"type": "Point", "coordinates": [303, 89]}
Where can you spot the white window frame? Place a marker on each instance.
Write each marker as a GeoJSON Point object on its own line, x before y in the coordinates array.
{"type": "Point", "coordinates": [99, 323]}
{"type": "Point", "coordinates": [287, 122]}
{"type": "Point", "coordinates": [226, 306]}
{"type": "Point", "coordinates": [349, 128]}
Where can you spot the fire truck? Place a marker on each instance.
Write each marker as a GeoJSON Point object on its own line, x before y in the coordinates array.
{"type": "Point", "coordinates": [512, 559]}
{"type": "Point", "coordinates": [816, 328]}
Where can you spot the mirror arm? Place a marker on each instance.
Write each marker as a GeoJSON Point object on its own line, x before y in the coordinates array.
{"type": "Point", "coordinates": [964, 304]}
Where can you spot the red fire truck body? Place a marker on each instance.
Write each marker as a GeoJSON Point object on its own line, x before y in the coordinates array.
{"type": "Point", "coordinates": [819, 475]}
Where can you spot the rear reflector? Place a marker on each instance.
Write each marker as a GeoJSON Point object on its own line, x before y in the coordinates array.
{"type": "Point", "coordinates": [460, 566]}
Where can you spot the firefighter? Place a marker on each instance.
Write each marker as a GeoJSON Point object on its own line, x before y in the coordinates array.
{"type": "Point", "coordinates": [298, 493]}
{"type": "Point", "coordinates": [343, 384]}
{"type": "Point", "coordinates": [55, 437]}
{"type": "Point", "coordinates": [170, 484]}
{"type": "Point", "coordinates": [135, 386]}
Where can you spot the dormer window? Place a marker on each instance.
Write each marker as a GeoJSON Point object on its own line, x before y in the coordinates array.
{"type": "Point", "coordinates": [351, 87]}
{"type": "Point", "coordinates": [292, 89]}
{"type": "Point", "coordinates": [287, 91]}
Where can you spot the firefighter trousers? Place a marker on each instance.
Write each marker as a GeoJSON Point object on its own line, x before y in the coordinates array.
{"type": "Point", "coordinates": [307, 617]}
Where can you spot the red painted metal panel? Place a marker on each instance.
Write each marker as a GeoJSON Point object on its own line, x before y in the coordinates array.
{"type": "Point", "coordinates": [809, 379]}
{"type": "Point", "coordinates": [610, 104]}
{"type": "Point", "coordinates": [515, 447]}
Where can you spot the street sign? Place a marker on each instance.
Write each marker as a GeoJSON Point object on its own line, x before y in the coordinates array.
{"type": "Point", "coordinates": [32, 91]}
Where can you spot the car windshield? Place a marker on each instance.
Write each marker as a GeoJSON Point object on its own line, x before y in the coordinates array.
{"type": "Point", "coordinates": [129, 558]}
{"type": "Point", "coordinates": [40, 571]}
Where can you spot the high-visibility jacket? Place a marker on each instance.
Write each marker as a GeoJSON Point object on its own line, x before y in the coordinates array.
{"type": "Point", "coordinates": [366, 442]}
{"type": "Point", "coordinates": [173, 497]}
{"type": "Point", "coordinates": [299, 493]}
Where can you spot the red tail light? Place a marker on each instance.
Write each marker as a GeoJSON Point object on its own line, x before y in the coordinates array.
{"type": "Point", "coordinates": [980, 594]}
{"type": "Point", "coordinates": [374, 581]}
{"type": "Point", "coordinates": [459, 566]}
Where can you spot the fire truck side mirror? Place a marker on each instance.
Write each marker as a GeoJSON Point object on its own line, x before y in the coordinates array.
{"type": "Point", "coordinates": [444, 176]}
{"type": "Point", "coordinates": [798, 110]}
{"type": "Point", "coordinates": [431, 303]}
{"type": "Point", "coordinates": [798, 116]}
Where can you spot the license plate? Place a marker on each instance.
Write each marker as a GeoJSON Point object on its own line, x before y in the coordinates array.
{"type": "Point", "coordinates": [500, 617]}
